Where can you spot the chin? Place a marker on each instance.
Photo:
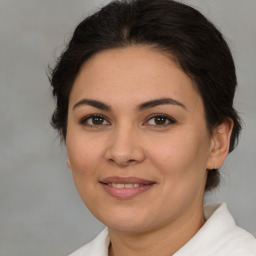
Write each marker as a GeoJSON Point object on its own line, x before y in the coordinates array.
{"type": "Point", "coordinates": [129, 227]}
{"type": "Point", "coordinates": [126, 221]}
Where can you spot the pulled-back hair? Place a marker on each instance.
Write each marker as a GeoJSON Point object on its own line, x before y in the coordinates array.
{"type": "Point", "coordinates": [175, 29]}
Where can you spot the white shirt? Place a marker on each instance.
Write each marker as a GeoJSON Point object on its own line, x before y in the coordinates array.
{"type": "Point", "coordinates": [219, 236]}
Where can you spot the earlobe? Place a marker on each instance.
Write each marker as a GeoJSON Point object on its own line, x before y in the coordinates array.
{"type": "Point", "coordinates": [68, 164]}
{"type": "Point", "coordinates": [220, 142]}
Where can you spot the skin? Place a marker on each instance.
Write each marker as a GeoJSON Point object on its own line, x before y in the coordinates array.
{"type": "Point", "coordinates": [131, 142]}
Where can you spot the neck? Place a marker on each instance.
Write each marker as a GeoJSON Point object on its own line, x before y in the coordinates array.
{"type": "Point", "coordinates": [161, 241]}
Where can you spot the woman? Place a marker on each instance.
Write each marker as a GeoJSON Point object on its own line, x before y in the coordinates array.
{"type": "Point", "coordinates": [144, 95]}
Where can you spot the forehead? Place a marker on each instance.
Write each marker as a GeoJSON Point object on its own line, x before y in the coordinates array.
{"type": "Point", "coordinates": [133, 75]}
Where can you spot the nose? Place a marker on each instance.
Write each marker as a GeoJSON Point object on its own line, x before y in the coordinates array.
{"type": "Point", "coordinates": [124, 147]}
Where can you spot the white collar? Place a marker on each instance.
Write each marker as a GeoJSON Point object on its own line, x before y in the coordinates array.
{"type": "Point", "coordinates": [219, 236]}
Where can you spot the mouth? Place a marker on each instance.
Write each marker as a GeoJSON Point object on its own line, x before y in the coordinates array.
{"type": "Point", "coordinates": [126, 187]}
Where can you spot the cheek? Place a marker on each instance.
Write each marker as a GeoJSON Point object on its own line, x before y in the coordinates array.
{"type": "Point", "coordinates": [181, 163]}
{"type": "Point", "coordinates": [84, 155]}
{"type": "Point", "coordinates": [180, 154]}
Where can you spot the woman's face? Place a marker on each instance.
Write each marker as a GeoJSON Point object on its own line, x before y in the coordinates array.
{"type": "Point", "coordinates": [137, 140]}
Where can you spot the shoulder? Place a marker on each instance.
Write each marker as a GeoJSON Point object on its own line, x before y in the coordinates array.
{"type": "Point", "coordinates": [219, 236]}
{"type": "Point", "coordinates": [232, 239]}
{"type": "Point", "coordinates": [225, 237]}
{"type": "Point", "coordinates": [98, 246]}
{"type": "Point", "coordinates": [236, 242]}
{"type": "Point", "coordinates": [240, 243]}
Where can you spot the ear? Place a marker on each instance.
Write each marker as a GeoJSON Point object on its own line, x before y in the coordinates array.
{"type": "Point", "coordinates": [68, 164]}
{"type": "Point", "coordinates": [220, 142]}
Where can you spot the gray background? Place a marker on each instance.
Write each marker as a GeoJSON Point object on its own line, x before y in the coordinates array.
{"type": "Point", "coordinates": [40, 211]}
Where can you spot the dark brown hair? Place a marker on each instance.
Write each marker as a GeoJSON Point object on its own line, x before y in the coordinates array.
{"type": "Point", "coordinates": [175, 29]}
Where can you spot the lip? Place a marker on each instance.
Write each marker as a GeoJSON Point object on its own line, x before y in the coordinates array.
{"type": "Point", "coordinates": [126, 180]}
{"type": "Point", "coordinates": [126, 193]}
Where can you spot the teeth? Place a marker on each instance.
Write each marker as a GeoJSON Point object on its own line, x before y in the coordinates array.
{"type": "Point", "coordinates": [128, 185]}
{"type": "Point", "coordinates": [124, 185]}
{"type": "Point", "coordinates": [119, 185]}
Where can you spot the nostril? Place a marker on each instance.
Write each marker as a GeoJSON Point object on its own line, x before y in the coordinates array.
{"type": "Point", "coordinates": [131, 160]}
{"type": "Point", "coordinates": [123, 153]}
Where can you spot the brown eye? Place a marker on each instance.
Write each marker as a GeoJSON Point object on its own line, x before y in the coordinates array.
{"type": "Point", "coordinates": [160, 120]}
{"type": "Point", "coordinates": [94, 120]}
{"type": "Point", "coordinates": [97, 120]}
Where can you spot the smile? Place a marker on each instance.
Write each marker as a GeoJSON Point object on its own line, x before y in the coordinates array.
{"type": "Point", "coordinates": [126, 187]}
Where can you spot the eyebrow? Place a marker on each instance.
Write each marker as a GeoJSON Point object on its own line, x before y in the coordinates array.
{"type": "Point", "coordinates": [140, 107]}
{"type": "Point", "coordinates": [93, 103]}
{"type": "Point", "coordinates": [157, 102]}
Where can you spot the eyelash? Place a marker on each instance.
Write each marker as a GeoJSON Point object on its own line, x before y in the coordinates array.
{"type": "Point", "coordinates": [165, 117]}
{"type": "Point", "coordinates": [84, 120]}
{"type": "Point", "coordinates": [170, 120]}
